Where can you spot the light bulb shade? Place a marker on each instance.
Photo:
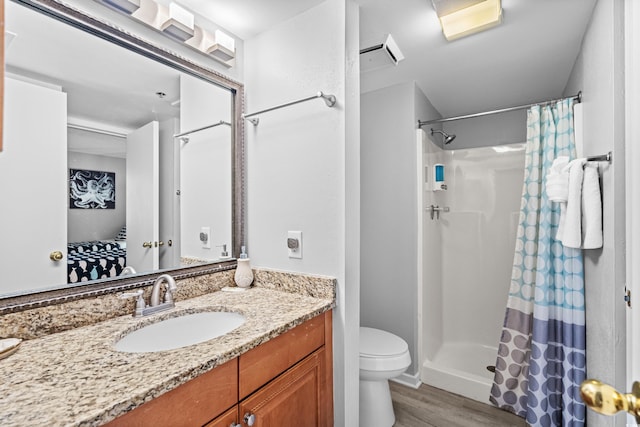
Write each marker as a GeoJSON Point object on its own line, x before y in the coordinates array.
{"type": "Point", "coordinates": [125, 6]}
{"type": "Point", "coordinates": [180, 24]}
{"type": "Point", "coordinates": [224, 47]}
{"type": "Point", "coordinates": [473, 19]}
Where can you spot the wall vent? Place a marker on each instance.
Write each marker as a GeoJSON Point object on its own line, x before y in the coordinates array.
{"type": "Point", "coordinates": [380, 54]}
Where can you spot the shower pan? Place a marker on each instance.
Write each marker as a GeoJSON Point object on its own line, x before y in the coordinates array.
{"type": "Point", "coordinates": [467, 255]}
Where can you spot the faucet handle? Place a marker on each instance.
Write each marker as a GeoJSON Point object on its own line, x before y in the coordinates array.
{"type": "Point", "coordinates": [171, 288]}
{"type": "Point", "coordinates": [140, 304]}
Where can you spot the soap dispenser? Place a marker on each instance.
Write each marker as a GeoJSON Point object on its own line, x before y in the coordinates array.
{"type": "Point", "coordinates": [244, 275]}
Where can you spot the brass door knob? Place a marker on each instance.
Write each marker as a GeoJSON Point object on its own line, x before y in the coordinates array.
{"type": "Point", "coordinates": [56, 256]}
{"type": "Point", "coordinates": [147, 245]}
{"type": "Point", "coordinates": [606, 400]}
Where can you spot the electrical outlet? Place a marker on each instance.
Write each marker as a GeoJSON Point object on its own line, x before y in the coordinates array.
{"type": "Point", "coordinates": [294, 244]}
{"type": "Point", "coordinates": [205, 237]}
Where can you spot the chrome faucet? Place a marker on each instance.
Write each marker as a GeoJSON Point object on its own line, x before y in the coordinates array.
{"type": "Point", "coordinates": [155, 291]}
{"type": "Point", "coordinates": [142, 309]}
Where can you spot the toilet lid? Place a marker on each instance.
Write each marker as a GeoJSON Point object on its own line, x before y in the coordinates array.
{"type": "Point", "coordinates": [377, 343]}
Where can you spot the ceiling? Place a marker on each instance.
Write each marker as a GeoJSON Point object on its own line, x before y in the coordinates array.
{"type": "Point", "coordinates": [528, 58]}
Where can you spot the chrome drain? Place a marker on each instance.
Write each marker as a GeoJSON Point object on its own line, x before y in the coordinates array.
{"type": "Point", "coordinates": [491, 368]}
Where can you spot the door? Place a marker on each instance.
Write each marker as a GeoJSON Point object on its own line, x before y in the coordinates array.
{"type": "Point", "coordinates": [169, 199]}
{"type": "Point", "coordinates": [33, 181]}
{"type": "Point", "coordinates": [143, 198]}
{"type": "Point", "coordinates": [632, 159]}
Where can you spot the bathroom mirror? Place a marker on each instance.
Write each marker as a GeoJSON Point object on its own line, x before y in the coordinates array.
{"type": "Point", "coordinates": [116, 153]}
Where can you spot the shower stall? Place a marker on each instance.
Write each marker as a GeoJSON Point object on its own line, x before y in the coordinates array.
{"type": "Point", "coordinates": [469, 202]}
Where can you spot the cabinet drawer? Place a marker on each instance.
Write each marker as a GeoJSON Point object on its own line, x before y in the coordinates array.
{"type": "Point", "coordinates": [265, 362]}
{"type": "Point", "coordinates": [192, 404]}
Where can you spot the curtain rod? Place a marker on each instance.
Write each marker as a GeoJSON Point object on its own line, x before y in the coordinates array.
{"type": "Point", "coordinates": [421, 123]}
{"type": "Point", "coordinates": [221, 122]}
{"type": "Point", "coordinates": [96, 130]}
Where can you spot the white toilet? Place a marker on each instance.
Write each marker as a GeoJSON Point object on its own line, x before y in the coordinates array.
{"type": "Point", "coordinates": [383, 356]}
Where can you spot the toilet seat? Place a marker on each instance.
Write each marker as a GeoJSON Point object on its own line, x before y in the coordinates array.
{"type": "Point", "coordinates": [378, 343]}
{"type": "Point", "coordinates": [382, 351]}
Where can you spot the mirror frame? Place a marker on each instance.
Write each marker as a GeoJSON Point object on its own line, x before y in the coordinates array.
{"type": "Point", "coordinates": [112, 33]}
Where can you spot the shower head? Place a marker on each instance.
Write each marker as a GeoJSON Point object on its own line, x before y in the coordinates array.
{"type": "Point", "coordinates": [447, 138]}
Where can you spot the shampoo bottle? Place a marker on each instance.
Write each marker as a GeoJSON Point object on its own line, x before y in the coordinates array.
{"type": "Point", "coordinates": [244, 275]}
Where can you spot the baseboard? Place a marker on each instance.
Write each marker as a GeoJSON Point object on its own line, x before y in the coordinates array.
{"type": "Point", "coordinates": [409, 380]}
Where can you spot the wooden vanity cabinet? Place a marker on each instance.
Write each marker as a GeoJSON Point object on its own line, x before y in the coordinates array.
{"type": "Point", "coordinates": [192, 404]}
{"type": "Point", "coordinates": [228, 419]}
{"type": "Point", "coordinates": [295, 398]}
{"type": "Point", "coordinates": [286, 381]}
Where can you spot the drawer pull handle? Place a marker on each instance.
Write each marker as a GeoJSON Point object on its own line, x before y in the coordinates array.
{"type": "Point", "coordinates": [249, 418]}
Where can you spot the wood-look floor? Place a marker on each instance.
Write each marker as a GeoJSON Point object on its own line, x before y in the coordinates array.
{"type": "Point", "coordinates": [431, 407]}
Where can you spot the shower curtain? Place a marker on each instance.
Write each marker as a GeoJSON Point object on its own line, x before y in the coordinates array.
{"type": "Point", "coordinates": [541, 356]}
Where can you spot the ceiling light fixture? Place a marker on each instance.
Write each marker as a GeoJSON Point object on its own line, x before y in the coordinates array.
{"type": "Point", "coordinates": [478, 17]}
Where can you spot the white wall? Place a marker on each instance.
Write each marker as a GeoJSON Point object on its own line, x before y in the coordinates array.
{"type": "Point", "coordinates": [97, 224]}
{"type": "Point", "coordinates": [205, 168]}
{"type": "Point", "coordinates": [303, 171]}
{"type": "Point", "coordinates": [388, 192]}
{"type": "Point", "coordinates": [598, 73]}
{"type": "Point", "coordinates": [389, 241]}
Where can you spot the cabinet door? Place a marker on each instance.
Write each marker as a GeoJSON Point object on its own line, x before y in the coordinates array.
{"type": "Point", "coordinates": [228, 419]}
{"type": "Point", "coordinates": [297, 397]}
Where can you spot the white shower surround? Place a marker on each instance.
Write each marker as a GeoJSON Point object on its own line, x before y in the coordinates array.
{"type": "Point", "coordinates": [465, 262]}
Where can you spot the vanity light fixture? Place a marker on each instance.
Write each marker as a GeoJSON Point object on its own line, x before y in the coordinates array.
{"type": "Point", "coordinates": [479, 16]}
{"type": "Point", "coordinates": [181, 23]}
{"type": "Point", "coordinates": [124, 6]}
{"type": "Point", "coordinates": [224, 47]}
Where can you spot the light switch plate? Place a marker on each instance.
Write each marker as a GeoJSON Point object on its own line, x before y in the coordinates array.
{"type": "Point", "coordinates": [295, 252]}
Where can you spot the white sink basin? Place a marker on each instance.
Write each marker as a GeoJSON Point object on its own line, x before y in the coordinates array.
{"type": "Point", "coordinates": [180, 331]}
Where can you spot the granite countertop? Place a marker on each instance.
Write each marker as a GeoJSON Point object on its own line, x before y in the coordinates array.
{"type": "Point", "coordinates": [76, 378]}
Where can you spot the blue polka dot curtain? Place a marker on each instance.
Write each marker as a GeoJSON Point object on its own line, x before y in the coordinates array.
{"type": "Point", "coordinates": [541, 356]}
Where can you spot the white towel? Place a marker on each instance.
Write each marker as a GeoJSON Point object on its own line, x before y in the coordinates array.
{"type": "Point", "coordinates": [591, 208]}
{"type": "Point", "coordinates": [557, 182]}
{"type": "Point", "coordinates": [571, 231]}
{"type": "Point", "coordinates": [578, 126]}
